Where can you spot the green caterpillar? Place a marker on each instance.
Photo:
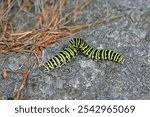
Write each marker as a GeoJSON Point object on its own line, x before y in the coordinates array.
{"type": "Point", "coordinates": [77, 45]}
{"type": "Point", "coordinates": [93, 53]}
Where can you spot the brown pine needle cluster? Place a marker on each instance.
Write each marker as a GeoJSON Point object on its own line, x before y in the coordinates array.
{"type": "Point", "coordinates": [51, 24]}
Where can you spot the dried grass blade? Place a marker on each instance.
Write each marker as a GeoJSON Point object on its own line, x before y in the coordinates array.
{"type": "Point", "coordinates": [21, 87]}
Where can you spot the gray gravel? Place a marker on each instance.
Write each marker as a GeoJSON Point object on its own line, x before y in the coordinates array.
{"type": "Point", "coordinates": [83, 78]}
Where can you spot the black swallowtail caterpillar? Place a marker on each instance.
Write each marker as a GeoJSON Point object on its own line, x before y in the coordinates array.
{"type": "Point", "coordinates": [93, 53]}
{"type": "Point", "coordinates": [61, 58]}
{"type": "Point", "coordinates": [77, 45]}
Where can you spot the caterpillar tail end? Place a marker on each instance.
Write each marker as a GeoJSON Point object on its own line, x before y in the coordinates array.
{"type": "Point", "coordinates": [46, 68]}
{"type": "Point", "coordinates": [122, 60]}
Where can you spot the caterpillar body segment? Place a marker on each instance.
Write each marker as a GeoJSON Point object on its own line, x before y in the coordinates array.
{"type": "Point", "coordinates": [61, 58]}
